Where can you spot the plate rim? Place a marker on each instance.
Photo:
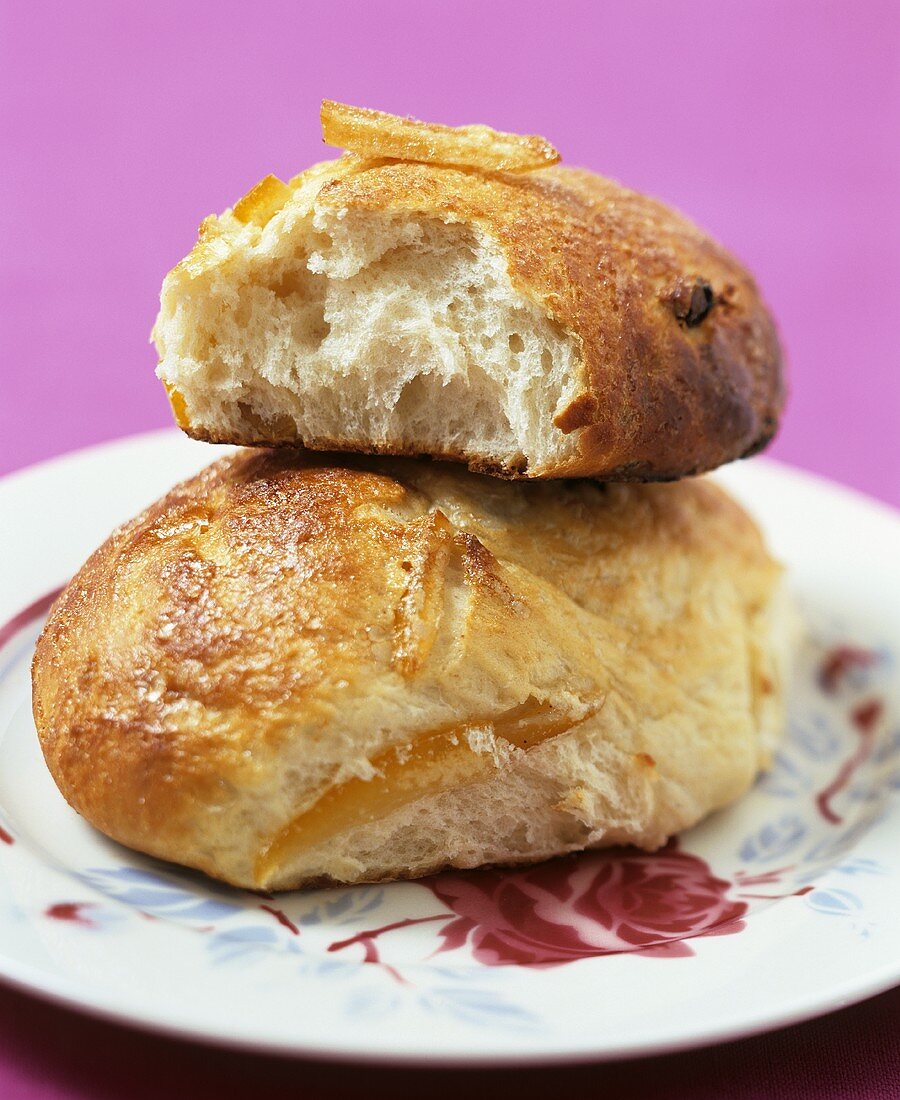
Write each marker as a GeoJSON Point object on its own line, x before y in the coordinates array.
{"type": "Point", "coordinates": [95, 1007]}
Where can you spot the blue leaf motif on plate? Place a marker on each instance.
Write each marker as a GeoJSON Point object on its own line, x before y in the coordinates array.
{"type": "Point", "coordinates": [325, 967]}
{"type": "Point", "coordinates": [349, 904]}
{"type": "Point", "coordinates": [816, 736]}
{"type": "Point", "coordinates": [861, 867]}
{"type": "Point", "coordinates": [373, 1002]}
{"type": "Point", "coordinates": [250, 943]}
{"type": "Point", "coordinates": [832, 847]}
{"type": "Point", "coordinates": [887, 749]}
{"type": "Point", "coordinates": [247, 944]}
{"type": "Point", "coordinates": [465, 1004]}
{"type": "Point", "coordinates": [154, 894]}
{"type": "Point", "coordinates": [774, 840]}
{"type": "Point", "coordinates": [339, 906]}
{"type": "Point", "coordinates": [786, 778]}
{"type": "Point", "coordinates": [838, 903]}
{"type": "Point", "coordinates": [886, 757]}
{"type": "Point", "coordinates": [476, 1006]}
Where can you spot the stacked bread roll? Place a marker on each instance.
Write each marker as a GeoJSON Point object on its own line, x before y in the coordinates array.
{"type": "Point", "coordinates": [439, 615]}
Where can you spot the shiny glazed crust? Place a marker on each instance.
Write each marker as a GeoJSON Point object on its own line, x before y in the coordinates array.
{"type": "Point", "coordinates": [545, 668]}
{"type": "Point", "coordinates": [681, 368]}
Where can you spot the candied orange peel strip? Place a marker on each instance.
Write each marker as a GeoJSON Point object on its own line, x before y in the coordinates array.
{"type": "Point", "coordinates": [262, 201]}
{"type": "Point", "coordinates": [376, 134]}
{"type": "Point", "coordinates": [434, 761]}
{"type": "Point", "coordinates": [179, 407]}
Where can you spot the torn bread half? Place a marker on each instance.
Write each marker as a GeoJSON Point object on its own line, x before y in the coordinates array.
{"type": "Point", "coordinates": [411, 298]}
{"type": "Point", "coordinates": [297, 668]}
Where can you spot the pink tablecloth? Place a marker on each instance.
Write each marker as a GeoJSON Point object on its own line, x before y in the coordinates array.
{"type": "Point", "coordinates": [122, 125]}
{"type": "Point", "coordinates": [47, 1053]}
{"type": "Point", "coordinates": [774, 125]}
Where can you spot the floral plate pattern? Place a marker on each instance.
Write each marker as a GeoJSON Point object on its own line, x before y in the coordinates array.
{"type": "Point", "coordinates": [778, 908]}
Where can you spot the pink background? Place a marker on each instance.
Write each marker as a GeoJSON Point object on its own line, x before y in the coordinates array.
{"type": "Point", "coordinates": [773, 123]}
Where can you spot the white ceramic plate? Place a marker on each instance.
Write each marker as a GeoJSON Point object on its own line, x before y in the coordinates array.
{"type": "Point", "coordinates": [777, 909]}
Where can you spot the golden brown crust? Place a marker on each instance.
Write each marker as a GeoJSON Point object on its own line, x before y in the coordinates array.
{"type": "Point", "coordinates": [279, 618]}
{"type": "Point", "coordinates": [681, 364]}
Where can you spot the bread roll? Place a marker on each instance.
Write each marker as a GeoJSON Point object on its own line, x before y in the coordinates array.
{"type": "Point", "coordinates": [297, 669]}
{"type": "Point", "coordinates": [538, 324]}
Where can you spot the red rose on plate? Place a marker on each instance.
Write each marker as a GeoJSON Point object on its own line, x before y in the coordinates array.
{"type": "Point", "coordinates": [596, 903]}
